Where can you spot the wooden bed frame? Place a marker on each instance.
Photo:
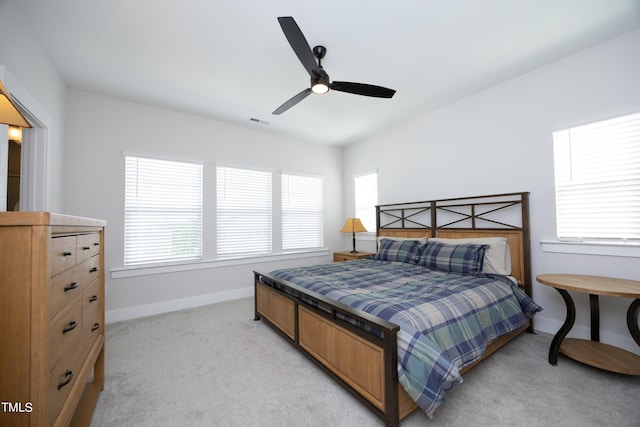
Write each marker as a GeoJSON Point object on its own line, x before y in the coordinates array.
{"type": "Point", "coordinates": [365, 363]}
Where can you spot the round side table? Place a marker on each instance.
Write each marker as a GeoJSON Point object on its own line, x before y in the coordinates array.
{"type": "Point", "coordinates": [594, 352]}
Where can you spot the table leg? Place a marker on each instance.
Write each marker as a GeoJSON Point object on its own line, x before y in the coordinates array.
{"type": "Point", "coordinates": [595, 317]}
{"type": "Point", "coordinates": [632, 320]}
{"type": "Point", "coordinates": [564, 330]}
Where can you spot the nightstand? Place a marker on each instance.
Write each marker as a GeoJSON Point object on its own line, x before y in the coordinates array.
{"type": "Point", "coordinates": [348, 256]}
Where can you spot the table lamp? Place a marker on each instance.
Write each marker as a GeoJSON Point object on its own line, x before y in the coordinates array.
{"type": "Point", "coordinates": [353, 226]}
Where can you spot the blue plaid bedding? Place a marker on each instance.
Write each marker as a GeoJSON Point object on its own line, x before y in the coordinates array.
{"type": "Point", "coordinates": [446, 319]}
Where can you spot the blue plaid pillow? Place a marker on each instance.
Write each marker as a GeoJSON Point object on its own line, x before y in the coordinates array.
{"type": "Point", "coordinates": [463, 258]}
{"type": "Point", "coordinates": [398, 250]}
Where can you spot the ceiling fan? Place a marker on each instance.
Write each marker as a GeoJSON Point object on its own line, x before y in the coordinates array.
{"type": "Point", "coordinates": [320, 82]}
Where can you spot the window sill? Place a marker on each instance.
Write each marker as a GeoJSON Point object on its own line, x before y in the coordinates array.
{"type": "Point", "coordinates": [145, 270]}
{"type": "Point", "coordinates": [590, 248]}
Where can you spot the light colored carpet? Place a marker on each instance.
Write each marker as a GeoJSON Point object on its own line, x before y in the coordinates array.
{"type": "Point", "coordinates": [216, 366]}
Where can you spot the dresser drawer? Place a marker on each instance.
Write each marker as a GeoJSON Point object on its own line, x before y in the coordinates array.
{"type": "Point", "coordinates": [63, 253]}
{"type": "Point", "coordinates": [91, 320]}
{"type": "Point", "coordinates": [70, 283]}
{"type": "Point", "coordinates": [87, 245]}
{"type": "Point", "coordinates": [64, 328]}
{"type": "Point", "coordinates": [88, 337]}
{"type": "Point", "coordinates": [62, 379]}
{"type": "Point", "coordinates": [91, 305]}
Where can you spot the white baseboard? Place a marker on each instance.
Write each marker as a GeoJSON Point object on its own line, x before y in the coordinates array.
{"type": "Point", "coordinates": [551, 326]}
{"type": "Point", "coordinates": [139, 311]}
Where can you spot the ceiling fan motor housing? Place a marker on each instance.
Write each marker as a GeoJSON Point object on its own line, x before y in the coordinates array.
{"type": "Point", "coordinates": [319, 52]}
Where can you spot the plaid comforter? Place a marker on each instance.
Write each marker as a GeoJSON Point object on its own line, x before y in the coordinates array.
{"type": "Point", "coordinates": [446, 319]}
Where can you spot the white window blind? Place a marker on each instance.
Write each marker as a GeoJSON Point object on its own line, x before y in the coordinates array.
{"type": "Point", "coordinates": [597, 173]}
{"type": "Point", "coordinates": [243, 212]}
{"type": "Point", "coordinates": [163, 211]}
{"type": "Point", "coordinates": [367, 199]}
{"type": "Point", "coordinates": [302, 212]}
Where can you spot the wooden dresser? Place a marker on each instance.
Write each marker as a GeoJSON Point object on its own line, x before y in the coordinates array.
{"type": "Point", "coordinates": [51, 318]}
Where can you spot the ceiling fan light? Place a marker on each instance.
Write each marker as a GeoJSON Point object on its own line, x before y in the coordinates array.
{"type": "Point", "coordinates": [320, 87]}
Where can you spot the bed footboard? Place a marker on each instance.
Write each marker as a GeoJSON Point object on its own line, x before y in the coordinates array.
{"type": "Point", "coordinates": [362, 361]}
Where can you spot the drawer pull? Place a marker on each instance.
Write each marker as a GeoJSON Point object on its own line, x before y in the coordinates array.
{"type": "Point", "coordinates": [96, 244]}
{"type": "Point", "coordinates": [93, 270]}
{"type": "Point", "coordinates": [71, 327]}
{"type": "Point", "coordinates": [68, 376]}
{"type": "Point", "coordinates": [86, 248]}
{"type": "Point", "coordinates": [71, 286]}
{"type": "Point", "coordinates": [93, 298]}
{"type": "Point", "coordinates": [67, 253]}
{"type": "Point", "coordinates": [95, 327]}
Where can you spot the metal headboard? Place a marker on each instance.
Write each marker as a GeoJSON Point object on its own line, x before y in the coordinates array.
{"type": "Point", "coordinates": [498, 214]}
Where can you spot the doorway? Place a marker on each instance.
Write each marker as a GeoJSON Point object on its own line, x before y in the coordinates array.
{"type": "Point", "coordinates": [23, 161]}
{"type": "Point", "coordinates": [23, 168]}
{"type": "Point", "coordinates": [14, 165]}
{"type": "Point", "coordinates": [13, 168]}
{"type": "Point", "coordinates": [13, 175]}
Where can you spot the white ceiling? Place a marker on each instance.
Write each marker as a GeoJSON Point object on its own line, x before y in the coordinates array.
{"type": "Point", "coordinates": [229, 60]}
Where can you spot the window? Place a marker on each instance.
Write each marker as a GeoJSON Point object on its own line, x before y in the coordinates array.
{"type": "Point", "coordinates": [302, 214]}
{"type": "Point", "coordinates": [163, 211]}
{"type": "Point", "coordinates": [367, 199]}
{"type": "Point", "coordinates": [597, 173]}
{"type": "Point", "coordinates": [243, 212]}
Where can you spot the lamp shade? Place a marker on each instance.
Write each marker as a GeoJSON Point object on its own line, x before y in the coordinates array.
{"type": "Point", "coordinates": [9, 114]}
{"type": "Point", "coordinates": [353, 225]}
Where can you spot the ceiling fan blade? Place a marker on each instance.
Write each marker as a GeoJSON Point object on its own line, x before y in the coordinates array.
{"type": "Point", "coordinates": [363, 89]}
{"type": "Point", "coordinates": [293, 101]}
{"type": "Point", "coordinates": [299, 44]}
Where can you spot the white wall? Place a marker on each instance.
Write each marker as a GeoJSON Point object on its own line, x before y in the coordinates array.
{"type": "Point", "coordinates": [496, 141]}
{"type": "Point", "coordinates": [85, 170]}
{"type": "Point", "coordinates": [101, 129]}
{"type": "Point", "coordinates": [43, 89]}
{"type": "Point", "coordinates": [499, 141]}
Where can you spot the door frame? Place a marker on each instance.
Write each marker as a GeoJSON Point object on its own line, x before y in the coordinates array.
{"type": "Point", "coordinates": [35, 141]}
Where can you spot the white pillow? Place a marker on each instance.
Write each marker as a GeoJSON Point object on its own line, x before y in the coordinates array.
{"type": "Point", "coordinates": [497, 257]}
